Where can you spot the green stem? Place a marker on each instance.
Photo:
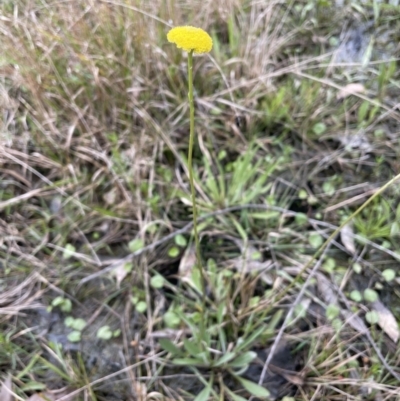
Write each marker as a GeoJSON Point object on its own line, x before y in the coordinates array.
{"type": "Point", "coordinates": [191, 179]}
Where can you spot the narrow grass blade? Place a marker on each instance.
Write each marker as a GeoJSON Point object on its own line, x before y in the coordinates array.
{"type": "Point", "coordinates": [169, 346]}
{"type": "Point", "coordinates": [253, 388]}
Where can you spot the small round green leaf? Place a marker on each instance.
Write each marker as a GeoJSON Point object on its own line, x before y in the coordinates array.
{"type": "Point", "coordinates": [78, 324]}
{"type": "Point", "coordinates": [57, 301]}
{"type": "Point", "coordinates": [69, 250]}
{"type": "Point", "coordinates": [328, 188]}
{"type": "Point", "coordinates": [301, 219]}
{"type": "Point", "coordinates": [173, 252]}
{"type": "Point", "coordinates": [74, 336]}
{"type": "Point", "coordinates": [357, 268]}
{"type": "Point", "coordinates": [332, 311]}
{"type": "Point", "coordinates": [303, 194]}
{"type": "Point", "coordinates": [171, 319]}
{"type": "Point", "coordinates": [372, 317]}
{"type": "Point", "coordinates": [389, 274]}
{"type": "Point", "coordinates": [104, 333]}
{"type": "Point", "coordinates": [329, 265]}
{"type": "Point", "coordinates": [141, 306]}
{"type": "Point", "coordinates": [315, 240]}
{"type": "Point", "coordinates": [135, 245]}
{"type": "Point", "coordinates": [180, 240]}
{"type": "Point", "coordinates": [319, 128]}
{"type": "Point", "coordinates": [356, 296]}
{"type": "Point", "coordinates": [370, 295]}
{"type": "Point", "coordinates": [66, 306]}
{"type": "Point", "coordinates": [157, 281]}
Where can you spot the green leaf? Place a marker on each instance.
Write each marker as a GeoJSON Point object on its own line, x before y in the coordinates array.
{"type": "Point", "coordinates": [315, 240]}
{"type": "Point", "coordinates": [191, 323]}
{"type": "Point", "coordinates": [180, 240]}
{"type": "Point", "coordinates": [141, 306]}
{"type": "Point", "coordinates": [204, 394]}
{"type": "Point", "coordinates": [173, 252]}
{"type": "Point", "coordinates": [332, 311]}
{"type": "Point", "coordinates": [135, 245]}
{"type": "Point", "coordinates": [251, 338]}
{"type": "Point", "coordinates": [169, 346]}
{"type": "Point", "coordinates": [328, 188]}
{"type": "Point", "coordinates": [395, 229]}
{"type": "Point", "coordinates": [357, 268]}
{"type": "Point", "coordinates": [243, 359]}
{"type": "Point", "coordinates": [157, 281]}
{"type": "Point", "coordinates": [192, 347]}
{"type": "Point", "coordinates": [188, 362]}
{"type": "Point", "coordinates": [301, 219]}
{"type": "Point", "coordinates": [128, 266]}
{"type": "Point", "coordinates": [362, 111]}
{"type": "Point", "coordinates": [254, 301]}
{"type": "Point", "coordinates": [254, 388]}
{"type": "Point", "coordinates": [329, 265]}
{"type": "Point", "coordinates": [275, 319]}
{"type": "Point", "coordinates": [372, 317]}
{"type": "Point", "coordinates": [370, 295]}
{"type": "Point", "coordinates": [69, 250]}
{"type": "Point", "coordinates": [66, 306]}
{"type": "Point", "coordinates": [104, 333]}
{"type": "Point", "coordinates": [303, 194]}
{"type": "Point", "coordinates": [69, 321]}
{"type": "Point", "coordinates": [222, 154]}
{"type": "Point", "coordinates": [57, 301]}
{"type": "Point", "coordinates": [356, 296]}
{"type": "Point", "coordinates": [319, 128]}
{"type": "Point", "coordinates": [228, 356]}
{"type": "Point", "coordinates": [268, 215]}
{"type": "Point", "coordinates": [300, 311]}
{"type": "Point", "coordinates": [78, 324]}
{"type": "Point", "coordinates": [171, 319]}
{"type": "Point", "coordinates": [74, 336]}
{"type": "Point", "coordinates": [389, 274]}
{"type": "Point", "coordinates": [242, 232]}
{"type": "Point", "coordinates": [32, 386]}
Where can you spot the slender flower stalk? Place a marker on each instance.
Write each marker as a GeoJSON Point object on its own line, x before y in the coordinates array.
{"type": "Point", "coordinates": [194, 41]}
{"type": "Point", "coordinates": [191, 179]}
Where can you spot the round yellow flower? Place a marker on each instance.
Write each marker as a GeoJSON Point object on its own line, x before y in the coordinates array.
{"type": "Point", "coordinates": [190, 38]}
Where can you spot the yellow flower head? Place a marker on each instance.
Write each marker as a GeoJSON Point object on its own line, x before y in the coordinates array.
{"type": "Point", "coordinates": [190, 38]}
